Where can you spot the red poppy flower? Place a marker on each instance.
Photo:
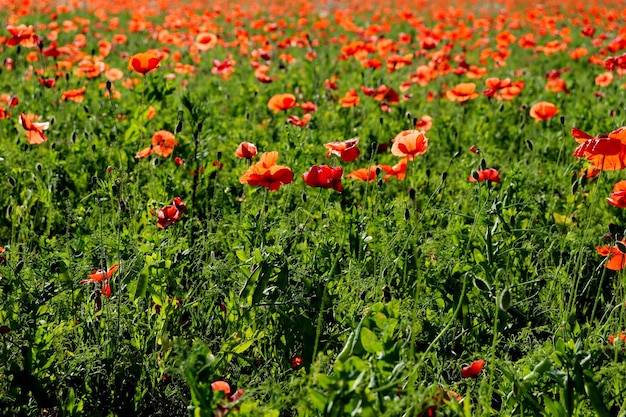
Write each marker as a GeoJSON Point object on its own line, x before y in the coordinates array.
{"type": "Point", "coordinates": [170, 214]}
{"type": "Point", "coordinates": [34, 131]}
{"type": "Point", "coordinates": [296, 361]}
{"type": "Point", "coordinates": [223, 68]}
{"type": "Point", "coordinates": [99, 275]}
{"type": "Point", "coordinates": [618, 197]}
{"type": "Point", "coordinates": [387, 94]}
{"type": "Point", "coordinates": [103, 277]}
{"type": "Point", "coordinates": [144, 62]}
{"type": "Point", "coordinates": [47, 82]}
{"type": "Point", "coordinates": [281, 102]}
{"type": "Point", "coordinates": [605, 152]}
{"type": "Point", "coordinates": [409, 144]}
{"type": "Point", "coordinates": [163, 143]}
{"type": "Point", "coordinates": [543, 111]}
{"type": "Point", "coordinates": [346, 150]}
{"type": "Point", "coordinates": [486, 174]}
{"type": "Point", "coordinates": [473, 369]}
{"type": "Point", "coordinates": [296, 121]}
{"type": "Point", "coordinates": [22, 35]}
{"type": "Point", "coordinates": [246, 150]}
{"type": "Point", "coordinates": [267, 174]}
{"type": "Point", "coordinates": [617, 259]}
{"type": "Point", "coordinates": [622, 337]}
{"type": "Point", "coordinates": [324, 176]}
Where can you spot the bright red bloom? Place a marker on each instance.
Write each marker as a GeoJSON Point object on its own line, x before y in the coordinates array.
{"type": "Point", "coordinates": [617, 259]}
{"type": "Point", "coordinates": [77, 95]}
{"type": "Point", "coordinates": [47, 82]}
{"type": "Point", "coordinates": [612, 338]}
{"type": "Point", "coordinates": [605, 152]}
{"type": "Point", "coordinates": [22, 35]}
{"type": "Point", "coordinates": [346, 150]}
{"type": "Point", "coordinates": [409, 144]}
{"type": "Point", "coordinates": [99, 275]}
{"type": "Point", "coordinates": [296, 361]}
{"type": "Point", "coordinates": [296, 121]}
{"type": "Point", "coordinates": [486, 174]}
{"type": "Point", "coordinates": [246, 150]}
{"type": "Point", "coordinates": [473, 369]}
{"type": "Point", "coordinates": [103, 277]}
{"type": "Point", "coordinates": [144, 62]}
{"type": "Point", "coordinates": [170, 214]}
{"type": "Point", "coordinates": [267, 174]}
{"type": "Point", "coordinates": [223, 68]}
{"type": "Point", "coordinates": [324, 176]}
{"type": "Point", "coordinates": [618, 197]}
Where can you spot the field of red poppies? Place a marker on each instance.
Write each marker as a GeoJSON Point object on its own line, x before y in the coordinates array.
{"type": "Point", "coordinates": [331, 208]}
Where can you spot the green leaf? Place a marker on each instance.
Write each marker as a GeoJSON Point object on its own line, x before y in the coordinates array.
{"type": "Point", "coordinates": [142, 284]}
{"type": "Point", "coordinates": [370, 342]}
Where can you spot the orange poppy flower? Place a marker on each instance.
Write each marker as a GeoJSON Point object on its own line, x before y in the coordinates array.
{"type": "Point", "coordinates": [543, 111]}
{"type": "Point", "coordinates": [617, 259]}
{"type": "Point", "coordinates": [604, 79]}
{"type": "Point", "coordinates": [425, 123]}
{"type": "Point", "coordinates": [246, 150]}
{"type": "Point", "coordinates": [205, 41]}
{"type": "Point", "coordinates": [398, 170]}
{"type": "Point", "coordinates": [351, 99]}
{"type": "Point", "coordinates": [34, 131]}
{"type": "Point", "coordinates": [163, 143]}
{"type": "Point", "coordinates": [605, 152]}
{"type": "Point", "coordinates": [144, 62]}
{"type": "Point", "coordinates": [462, 92]}
{"type": "Point", "coordinates": [364, 174]}
{"type": "Point", "coordinates": [267, 174]}
{"type": "Point", "coordinates": [618, 197]}
{"type": "Point", "coordinates": [77, 95]}
{"type": "Point", "coordinates": [324, 176]}
{"type": "Point", "coordinates": [281, 102]}
{"type": "Point", "coordinates": [346, 150]}
{"type": "Point", "coordinates": [409, 144]}
{"type": "Point", "coordinates": [557, 85]}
